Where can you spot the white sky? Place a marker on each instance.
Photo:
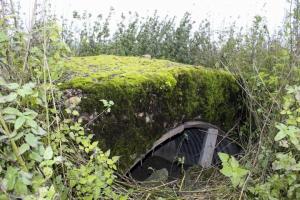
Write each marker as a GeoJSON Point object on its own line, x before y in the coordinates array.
{"type": "Point", "coordinates": [219, 12]}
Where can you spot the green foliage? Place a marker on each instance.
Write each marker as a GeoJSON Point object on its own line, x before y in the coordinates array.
{"type": "Point", "coordinates": [41, 146]}
{"type": "Point", "coordinates": [95, 179]}
{"type": "Point", "coordinates": [136, 36]}
{"type": "Point", "coordinates": [45, 153]}
{"type": "Point", "coordinates": [283, 179]}
{"type": "Point", "coordinates": [107, 104]}
{"type": "Point", "coordinates": [34, 155]}
{"type": "Point", "coordinates": [232, 169]}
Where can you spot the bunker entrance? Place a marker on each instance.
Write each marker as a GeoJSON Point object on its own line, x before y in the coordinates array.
{"type": "Point", "coordinates": [193, 143]}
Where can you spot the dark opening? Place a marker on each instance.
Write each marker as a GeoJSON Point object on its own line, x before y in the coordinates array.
{"type": "Point", "coordinates": [186, 146]}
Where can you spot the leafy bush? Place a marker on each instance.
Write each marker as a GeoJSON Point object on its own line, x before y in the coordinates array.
{"type": "Point", "coordinates": [283, 181]}
{"type": "Point", "coordinates": [45, 154]}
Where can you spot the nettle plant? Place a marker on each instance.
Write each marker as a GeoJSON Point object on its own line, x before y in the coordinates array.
{"type": "Point", "coordinates": [46, 156]}
{"type": "Point", "coordinates": [284, 179]}
{"type": "Point", "coordinates": [232, 169]}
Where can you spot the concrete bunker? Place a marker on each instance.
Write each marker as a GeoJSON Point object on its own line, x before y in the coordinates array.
{"type": "Point", "coordinates": [150, 97]}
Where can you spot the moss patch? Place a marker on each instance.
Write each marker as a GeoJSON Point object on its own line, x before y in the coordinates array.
{"type": "Point", "coordinates": [150, 97]}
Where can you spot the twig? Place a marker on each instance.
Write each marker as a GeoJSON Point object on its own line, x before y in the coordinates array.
{"type": "Point", "coordinates": [199, 191]}
{"type": "Point", "coordinates": [89, 122]}
{"type": "Point", "coordinates": [28, 44]}
{"type": "Point", "coordinates": [244, 185]}
{"type": "Point", "coordinates": [13, 144]}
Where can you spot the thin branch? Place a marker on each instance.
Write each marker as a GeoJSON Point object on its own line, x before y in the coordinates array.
{"type": "Point", "coordinates": [13, 144]}
{"type": "Point", "coordinates": [28, 45]}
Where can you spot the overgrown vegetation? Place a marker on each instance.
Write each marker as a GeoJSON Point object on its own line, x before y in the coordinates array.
{"type": "Point", "coordinates": [45, 153]}
{"type": "Point", "coordinates": [134, 36]}
{"type": "Point", "coordinates": [48, 158]}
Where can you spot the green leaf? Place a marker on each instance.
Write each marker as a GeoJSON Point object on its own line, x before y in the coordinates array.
{"type": "Point", "coordinates": [11, 177]}
{"type": "Point", "coordinates": [75, 113]}
{"type": "Point", "coordinates": [31, 123]}
{"type": "Point", "coordinates": [223, 157]}
{"type": "Point", "coordinates": [283, 130]}
{"type": "Point", "coordinates": [11, 111]}
{"type": "Point", "coordinates": [9, 98]}
{"type": "Point", "coordinates": [109, 181]}
{"type": "Point", "coordinates": [91, 178]}
{"type": "Point", "coordinates": [29, 85]}
{"type": "Point", "coordinates": [237, 178]}
{"type": "Point", "coordinates": [19, 122]}
{"type": "Point", "coordinates": [24, 147]}
{"type": "Point", "coordinates": [38, 131]}
{"type": "Point", "coordinates": [69, 111]}
{"type": "Point", "coordinates": [12, 86]}
{"type": "Point", "coordinates": [3, 137]}
{"type": "Point", "coordinates": [111, 103]}
{"type": "Point", "coordinates": [3, 37]}
{"type": "Point", "coordinates": [48, 154]}
{"type": "Point", "coordinates": [115, 158]}
{"type": "Point", "coordinates": [35, 156]}
{"type": "Point", "coordinates": [26, 177]}
{"type": "Point", "coordinates": [10, 118]}
{"type": "Point", "coordinates": [26, 89]}
{"type": "Point", "coordinates": [17, 136]}
{"type": "Point", "coordinates": [233, 162]}
{"type": "Point", "coordinates": [37, 181]}
{"type": "Point", "coordinates": [41, 150]}
{"type": "Point", "coordinates": [107, 153]}
{"type": "Point", "coordinates": [58, 159]}
{"type": "Point", "coordinates": [32, 140]}
{"type": "Point", "coordinates": [105, 102]}
{"type": "Point", "coordinates": [30, 113]}
{"type": "Point", "coordinates": [47, 163]}
{"type": "Point", "coordinates": [110, 162]}
{"type": "Point", "coordinates": [13, 134]}
{"type": "Point", "coordinates": [3, 197]}
{"type": "Point", "coordinates": [232, 169]}
{"type": "Point", "coordinates": [286, 162]}
{"type": "Point", "coordinates": [20, 187]}
{"type": "Point", "coordinates": [47, 172]}
{"type": "Point", "coordinates": [51, 192]}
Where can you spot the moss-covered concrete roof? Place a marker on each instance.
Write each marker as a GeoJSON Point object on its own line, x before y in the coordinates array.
{"type": "Point", "coordinates": [150, 96]}
{"type": "Point", "coordinates": [108, 69]}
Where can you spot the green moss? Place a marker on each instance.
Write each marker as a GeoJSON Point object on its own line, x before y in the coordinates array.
{"type": "Point", "coordinates": [164, 91]}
